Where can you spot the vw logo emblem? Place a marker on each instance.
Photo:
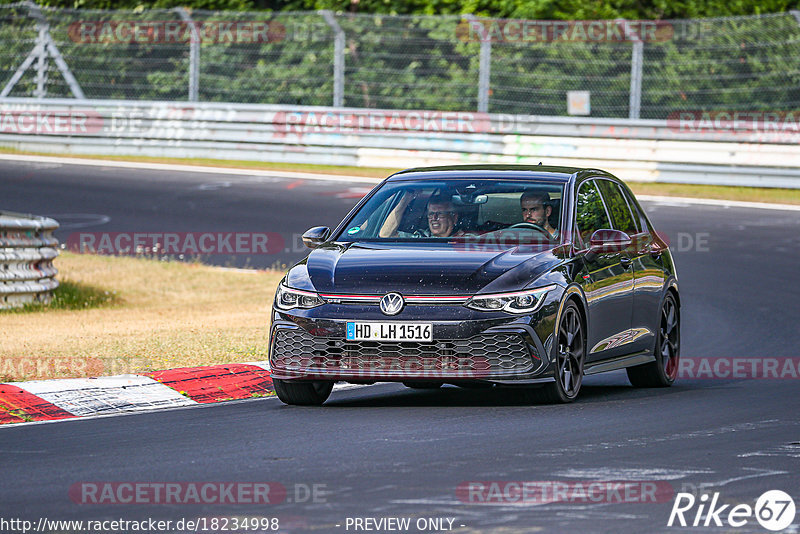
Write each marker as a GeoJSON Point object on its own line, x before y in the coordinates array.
{"type": "Point", "coordinates": [392, 303]}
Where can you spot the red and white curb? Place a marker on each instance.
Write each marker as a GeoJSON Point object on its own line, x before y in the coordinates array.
{"type": "Point", "coordinates": [46, 400]}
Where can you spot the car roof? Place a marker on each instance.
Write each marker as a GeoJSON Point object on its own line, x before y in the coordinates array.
{"type": "Point", "coordinates": [515, 172]}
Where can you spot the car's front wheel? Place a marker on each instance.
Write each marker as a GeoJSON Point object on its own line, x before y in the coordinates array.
{"type": "Point", "coordinates": [570, 355]}
{"type": "Point", "coordinates": [303, 393]}
{"type": "Point", "coordinates": [664, 370]}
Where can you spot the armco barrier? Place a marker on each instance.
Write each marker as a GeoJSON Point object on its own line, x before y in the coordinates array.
{"type": "Point", "coordinates": [643, 150]}
{"type": "Point", "coordinates": [27, 250]}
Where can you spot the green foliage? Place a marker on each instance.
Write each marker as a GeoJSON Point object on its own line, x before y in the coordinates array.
{"type": "Point", "coordinates": [71, 295]}
{"type": "Point", "coordinates": [427, 62]}
{"type": "Point", "coordinates": [523, 9]}
{"type": "Point", "coordinates": [215, 5]}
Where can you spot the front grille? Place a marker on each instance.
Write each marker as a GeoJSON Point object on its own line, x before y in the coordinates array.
{"type": "Point", "coordinates": [298, 353]}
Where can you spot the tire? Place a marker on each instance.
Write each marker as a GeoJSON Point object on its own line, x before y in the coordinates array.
{"type": "Point", "coordinates": [667, 350]}
{"type": "Point", "coordinates": [570, 356]}
{"type": "Point", "coordinates": [423, 385]}
{"type": "Point", "coordinates": [302, 393]}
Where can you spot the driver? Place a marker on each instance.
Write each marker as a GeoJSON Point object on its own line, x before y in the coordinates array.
{"type": "Point", "coordinates": [536, 209]}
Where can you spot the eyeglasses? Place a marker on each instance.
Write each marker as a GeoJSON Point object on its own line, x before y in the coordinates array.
{"type": "Point", "coordinates": [434, 215]}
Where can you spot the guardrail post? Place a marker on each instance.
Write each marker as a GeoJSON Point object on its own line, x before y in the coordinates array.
{"type": "Point", "coordinates": [194, 55]}
{"type": "Point", "coordinates": [338, 57]}
{"type": "Point", "coordinates": [485, 65]}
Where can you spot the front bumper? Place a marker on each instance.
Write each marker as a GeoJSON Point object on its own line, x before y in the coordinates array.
{"type": "Point", "coordinates": [467, 346]}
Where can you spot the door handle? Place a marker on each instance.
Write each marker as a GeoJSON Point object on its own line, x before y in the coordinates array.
{"type": "Point", "coordinates": [625, 262]}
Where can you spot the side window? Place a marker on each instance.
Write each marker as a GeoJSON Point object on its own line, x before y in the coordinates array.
{"type": "Point", "coordinates": [618, 206]}
{"type": "Point", "coordinates": [590, 214]}
{"type": "Point", "coordinates": [638, 214]}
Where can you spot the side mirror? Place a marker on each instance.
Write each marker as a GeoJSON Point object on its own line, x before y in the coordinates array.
{"type": "Point", "coordinates": [604, 241]}
{"type": "Point", "coordinates": [314, 237]}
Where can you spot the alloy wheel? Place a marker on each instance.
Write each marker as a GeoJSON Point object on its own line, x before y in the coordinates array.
{"type": "Point", "coordinates": [570, 356]}
{"type": "Point", "coordinates": [669, 338]}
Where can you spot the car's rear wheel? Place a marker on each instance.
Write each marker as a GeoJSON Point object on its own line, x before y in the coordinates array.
{"type": "Point", "coordinates": [423, 385]}
{"type": "Point", "coordinates": [570, 355]}
{"type": "Point", "coordinates": [663, 371]}
{"type": "Point", "coordinates": [303, 393]}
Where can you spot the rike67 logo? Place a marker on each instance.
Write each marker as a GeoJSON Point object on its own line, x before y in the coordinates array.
{"type": "Point", "coordinates": [774, 510]}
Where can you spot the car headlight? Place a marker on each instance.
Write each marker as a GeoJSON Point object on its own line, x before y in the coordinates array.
{"type": "Point", "coordinates": [287, 298]}
{"type": "Point", "coordinates": [527, 301]}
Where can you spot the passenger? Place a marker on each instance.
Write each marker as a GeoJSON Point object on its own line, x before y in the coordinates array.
{"type": "Point", "coordinates": [536, 209]}
{"type": "Point", "coordinates": [442, 218]}
{"type": "Point", "coordinates": [441, 215]}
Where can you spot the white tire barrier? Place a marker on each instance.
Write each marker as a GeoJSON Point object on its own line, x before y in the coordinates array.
{"type": "Point", "coordinates": [27, 250]}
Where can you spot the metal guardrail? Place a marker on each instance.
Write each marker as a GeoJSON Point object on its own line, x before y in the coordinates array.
{"type": "Point", "coordinates": [27, 250]}
{"type": "Point", "coordinates": [643, 150]}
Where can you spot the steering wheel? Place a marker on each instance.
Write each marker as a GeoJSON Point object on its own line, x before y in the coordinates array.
{"type": "Point", "coordinates": [532, 226]}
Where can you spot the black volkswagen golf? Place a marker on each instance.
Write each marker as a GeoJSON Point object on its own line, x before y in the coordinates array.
{"type": "Point", "coordinates": [478, 276]}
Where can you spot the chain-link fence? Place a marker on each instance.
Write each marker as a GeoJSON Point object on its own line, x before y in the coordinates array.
{"type": "Point", "coordinates": [638, 69]}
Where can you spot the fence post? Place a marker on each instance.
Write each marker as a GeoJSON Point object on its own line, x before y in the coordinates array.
{"type": "Point", "coordinates": [194, 55]}
{"type": "Point", "coordinates": [49, 47]}
{"type": "Point", "coordinates": [637, 62]}
{"type": "Point", "coordinates": [484, 66]}
{"type": "Point", "coordinates": [44, 46]}
{"type": "Point", "coordinates": [338, 57]}
{"type": "Point", "coordinates": [41, 64]}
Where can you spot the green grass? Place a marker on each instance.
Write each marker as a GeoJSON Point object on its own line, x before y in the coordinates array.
{"type": "Point", "coordinates": [71, 295]}
{"type": "Point", "coordinates": [747, 194]}
{"type": "Point", "coordinates": [79, 296]}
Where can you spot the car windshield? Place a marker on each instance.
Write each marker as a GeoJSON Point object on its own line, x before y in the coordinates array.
{"type": "Point", "coordinates": [459, 209]}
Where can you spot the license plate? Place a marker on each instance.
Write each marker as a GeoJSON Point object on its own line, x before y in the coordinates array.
{"type": "Point", "coordinates": [389, 331]}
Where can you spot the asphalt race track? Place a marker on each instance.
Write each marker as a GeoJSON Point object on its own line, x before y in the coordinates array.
{"type": "Point", "coordinates": [387, 451]}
